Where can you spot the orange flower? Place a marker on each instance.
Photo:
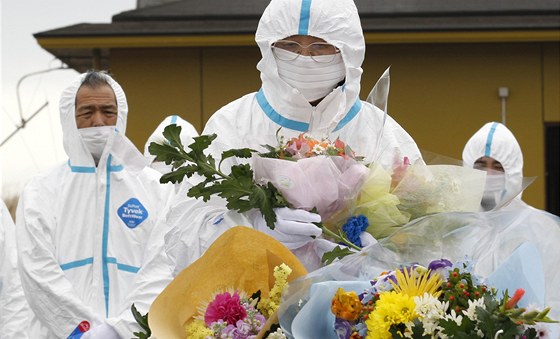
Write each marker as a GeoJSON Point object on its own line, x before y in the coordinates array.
{"type": "Point", "coordinates": [346, 305]}
{"type": "Point", "coordinates": [515, 299]}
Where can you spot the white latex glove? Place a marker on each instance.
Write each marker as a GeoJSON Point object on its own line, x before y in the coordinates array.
{"type": "Point", "coordinates": [293, 227]}
{"type": "Point", "coordinates": [103, 331]}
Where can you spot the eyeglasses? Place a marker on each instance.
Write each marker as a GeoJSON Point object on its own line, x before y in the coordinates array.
{"type": "Point", "coordinates": [319, 51]}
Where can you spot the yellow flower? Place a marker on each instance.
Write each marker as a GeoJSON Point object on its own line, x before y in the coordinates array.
{"type": "Point", "coordinates": [346, 305]}
{"type": "Point", "coordinates": [392, 308]}
{"type": "Point", "coordinates": [267, 306]}
{"type": "Point", "coordinates": [197, 330]}
{"type": "Point", "coordinates": [417, 283]}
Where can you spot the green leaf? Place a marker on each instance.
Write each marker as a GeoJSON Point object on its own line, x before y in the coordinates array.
{"type": "Point", "coordinates": [173, 135]}
{"type": "Point", "coordinates": [142, 320]}
{"type": "Point", "coordinates": [164, 152]}
{"type": "Point", "coordinates": [201, 143]}
{"type": "Point", "coordinates": [337, 253]}
{"type": "Point", "coordinates": [243, 153]}
{"type": "Point", "coordinates": [178, 175]}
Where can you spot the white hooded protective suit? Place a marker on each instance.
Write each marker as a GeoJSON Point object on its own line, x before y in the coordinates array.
{"type": "Point", "coordinates": [495, 140]}
{"type": "Point", "coordinates": [188, 132]}
{"type": "Point", "coordinates": [14, 311]}
{"type": "Point", "coordinates": [254, 119]}
{"type": "Point", "coordinates": [84, 232]}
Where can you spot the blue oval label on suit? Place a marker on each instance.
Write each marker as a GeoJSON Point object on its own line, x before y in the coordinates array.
{"type": "Point", "coordinates": [132, 213]}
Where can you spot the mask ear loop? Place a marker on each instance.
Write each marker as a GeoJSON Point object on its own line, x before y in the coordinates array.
{"type": "Point", "coordinates": [378, 97]}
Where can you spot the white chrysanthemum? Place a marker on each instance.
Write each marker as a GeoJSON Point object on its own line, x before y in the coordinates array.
{"type": "Point", "coordinates": [458, 319]}
{"type": "Point", "coordinates": [277, 335]}
{"type": "Point", "coordinates": [470, 312]}
{"type": "Point", "coordinates": [430, 310]}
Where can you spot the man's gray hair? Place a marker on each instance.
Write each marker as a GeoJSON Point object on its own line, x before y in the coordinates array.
{"type": "Point", "coordinates": [94, 79]}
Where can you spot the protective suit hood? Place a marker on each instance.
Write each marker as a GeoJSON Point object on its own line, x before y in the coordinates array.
{"type": "Point", "coordinates": [188, 132]}
{"type": "Point", "coordinates": [496, 141]}
{"type": "Point", "coordinates": [335, 21]}
{"type": "Point", "coordinates": [76, 149]}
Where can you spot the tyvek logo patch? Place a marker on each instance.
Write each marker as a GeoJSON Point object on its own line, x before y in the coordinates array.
{"type": "Point", "coordinates": [132, 213]}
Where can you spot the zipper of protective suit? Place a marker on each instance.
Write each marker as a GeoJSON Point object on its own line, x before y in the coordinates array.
{"type": "Point", "coordinates": [105, 236]}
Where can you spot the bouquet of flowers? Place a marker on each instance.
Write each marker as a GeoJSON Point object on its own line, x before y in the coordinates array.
{"type": "Point", "coordinates": [232, 291]}
{"type": "Point", "coordinates": [441, 301]}
{"type": "Point", "coordinates": [322, 174]}
{"type": "Point", "coordinates": [392, 199]}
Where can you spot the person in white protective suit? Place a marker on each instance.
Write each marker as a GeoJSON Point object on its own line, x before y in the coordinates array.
{"type": "Point", "coordinates": [86, 228]}
{"type": "Point", "coordinates": [14, 311]}
{"type": "Point", "coordinates": [312, 53]}
{"type": "Point", "coordinates": [188, 132]}
{"type": "Point", "coordinates": [494, 149]}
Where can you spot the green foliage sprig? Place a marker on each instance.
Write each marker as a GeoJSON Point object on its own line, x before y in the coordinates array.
{"type": "Point", "coordinates": [238, 188]}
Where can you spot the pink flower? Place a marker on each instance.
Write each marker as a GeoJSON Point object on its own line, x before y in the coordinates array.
{"type": "Point", "coordinates": [225, 307]}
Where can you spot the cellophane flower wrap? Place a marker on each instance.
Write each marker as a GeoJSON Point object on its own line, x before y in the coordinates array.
{"type": "Point", "coordinates": [508, 250]}
{"type": "Point", "coordinates": [392, 198]}
{"type": "Point", "coordinates": [232, 291]}
{"type": "Point", "coordinates": [312, 173]}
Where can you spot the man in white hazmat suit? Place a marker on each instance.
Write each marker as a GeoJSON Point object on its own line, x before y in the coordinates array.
{"type": "Point", "coordinates": [493, 148]}
{"type": "Point", "coordinates": [312, 51]}
{"type": "Point", "coordinates": [86, 228]}
{"type": "Point", "coordinates": [14, 311]}
{"type": "Point", "coordinates": [187, 133]}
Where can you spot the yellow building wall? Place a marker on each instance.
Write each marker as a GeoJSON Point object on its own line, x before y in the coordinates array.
{"type": "Point", "coordinates": [440, 93]}
{"type": "Point", "coordinates": [158, 83]}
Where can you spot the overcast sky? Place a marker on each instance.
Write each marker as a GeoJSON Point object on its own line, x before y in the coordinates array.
{"type": "Point", "coordinates": [38, 147]}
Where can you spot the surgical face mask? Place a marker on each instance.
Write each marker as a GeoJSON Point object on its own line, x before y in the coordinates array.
{"type": "Point", "coordinates": [315, 80]}
{"type": "Point", "coordinates": [493, 191]}
{"type": "Point", "coordinates": [95, 139]}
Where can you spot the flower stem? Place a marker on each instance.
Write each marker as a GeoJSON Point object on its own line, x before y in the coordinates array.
{"type": "Point", "coordinates": [339, 238]}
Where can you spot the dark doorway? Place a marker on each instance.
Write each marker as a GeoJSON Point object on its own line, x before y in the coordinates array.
{"type": "Point", "coordinates": [552, 136]}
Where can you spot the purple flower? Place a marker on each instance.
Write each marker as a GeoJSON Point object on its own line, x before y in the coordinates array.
{"type": "Point", "coordinates": [437, 264]}
{"type": "Point", "coordinates": [342, 328]}
{"type": "Point", "coordinates": [442, 267]}
{"type": "Point", "coordinates": [354, 227]}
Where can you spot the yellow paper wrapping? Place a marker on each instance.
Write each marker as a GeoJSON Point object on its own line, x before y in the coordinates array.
{"type": "Point", "coordinates": [241, 258]}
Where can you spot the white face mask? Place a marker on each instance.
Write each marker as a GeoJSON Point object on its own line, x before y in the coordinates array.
{"type": "Point", "coordinates": [315, 80]}
{"type": "Point", "coordinates": [493, 191]}
{"type": "Point", "coordinates": [95, 139]}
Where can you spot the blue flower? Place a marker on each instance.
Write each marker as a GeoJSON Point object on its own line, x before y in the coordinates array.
{"type": "Point", "coordinates": [354, 227]}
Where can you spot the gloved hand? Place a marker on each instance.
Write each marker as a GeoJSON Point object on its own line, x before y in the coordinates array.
{"type": "Point", "coordinates": [293, 227]}
{"type": "Point", "coordinates": [103, 331]}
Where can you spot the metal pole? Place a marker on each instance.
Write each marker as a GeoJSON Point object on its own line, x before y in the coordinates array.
{"type": "Point", "coordinates": [503, 93]}
{"type": "Point", "coordinates": [24, 122]}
